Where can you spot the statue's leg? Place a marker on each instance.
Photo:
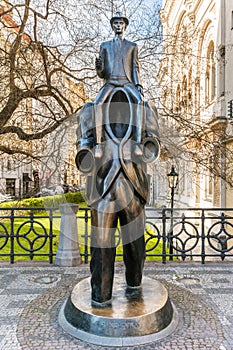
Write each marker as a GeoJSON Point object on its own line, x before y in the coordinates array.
{"type": "Point", "coordinates": [134, 257]}
{"type": "Point", "coordinates": [132, 220]}
{"type": "Point", "coordinates": [103, 252]}
{"type": "Point", "coordinates": [98, 113]}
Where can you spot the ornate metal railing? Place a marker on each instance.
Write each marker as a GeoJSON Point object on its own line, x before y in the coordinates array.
{"type": "Point", "coordinates": [27, 233]}
{"type": "Point", "coordinates": [195, 234]}
{"type": "Point", "coordinates": [184, 234]}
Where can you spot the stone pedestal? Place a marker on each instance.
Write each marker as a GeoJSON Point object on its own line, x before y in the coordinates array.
{"type": "Point", "coordinates": [135, 316]}
{"type": "Point", "coordinates": [68, 253]}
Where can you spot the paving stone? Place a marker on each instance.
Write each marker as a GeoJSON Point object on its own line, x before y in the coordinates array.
{"type": "Point", "coordinates": [17, 304]}
{"type": "Point", "coordinates": [220, 280]}
{"type": "Point", "coordinates": [29, 310]}
{"type": "Point", "coordinates": [219, 290]}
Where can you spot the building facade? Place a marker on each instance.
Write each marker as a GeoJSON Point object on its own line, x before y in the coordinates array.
{"type": "Point", "coordinates": [196, 82]}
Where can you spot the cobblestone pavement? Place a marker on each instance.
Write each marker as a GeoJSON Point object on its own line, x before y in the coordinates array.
{"type": "Point", "coordinates": [31, 297]}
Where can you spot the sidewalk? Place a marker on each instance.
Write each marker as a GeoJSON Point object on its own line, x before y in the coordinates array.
{"type": "Point", "coordinates": [31, 296]}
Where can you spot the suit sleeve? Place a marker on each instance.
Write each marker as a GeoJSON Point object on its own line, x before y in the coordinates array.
{"type": "Point", "coordinates": [101, 73]}
{"type": "Point", "coordinates": [136, 71]}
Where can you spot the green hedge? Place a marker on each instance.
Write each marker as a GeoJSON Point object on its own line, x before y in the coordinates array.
{"type": "Point", "coordinates": [46, 202]}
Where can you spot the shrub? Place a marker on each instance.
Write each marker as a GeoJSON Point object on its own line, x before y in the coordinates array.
{"type": "Point", "coordinates": [46, 202]}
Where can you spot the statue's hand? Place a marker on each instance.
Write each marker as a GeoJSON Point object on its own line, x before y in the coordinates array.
{"type": "Point", "coordinates": [98, 64]}
{"type": "Point", "coordinates": [140, 89]}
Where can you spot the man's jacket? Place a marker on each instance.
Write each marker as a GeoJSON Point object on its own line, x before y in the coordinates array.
{"type": "Point", "coordinates": [130, 60]}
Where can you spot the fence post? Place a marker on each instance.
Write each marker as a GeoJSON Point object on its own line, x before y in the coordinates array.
{"type": "Point", "coordinates": [12, 237]}
{"type": "Point", "coordinates": [164, 238]}
{"type": "Point", "coordinates": [203, 236]}
{"type": "Point", "coordinates": [68, 253]}
{"type": "Point", "coordinates": [86, 237]}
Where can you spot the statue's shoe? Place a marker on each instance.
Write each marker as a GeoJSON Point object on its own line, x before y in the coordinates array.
{"type": "Point", "coordinates": [138, 151]}
{"type": "Point", "coordinates": [98, 151]}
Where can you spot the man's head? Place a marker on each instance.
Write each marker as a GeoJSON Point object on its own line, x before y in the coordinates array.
{"type": "Point", "coordinates": [119, 23]}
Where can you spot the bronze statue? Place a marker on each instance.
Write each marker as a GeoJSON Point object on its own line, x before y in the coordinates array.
{"type": "Point", "coordinates": [117, 137]}
{"type": "Point", "coordinates": [118, 66]}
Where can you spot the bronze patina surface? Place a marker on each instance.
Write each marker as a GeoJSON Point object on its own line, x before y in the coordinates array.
{"type": "Point", "coordinates": [117, 137]}
{"type": "Point", "coordinates": [134, 314]}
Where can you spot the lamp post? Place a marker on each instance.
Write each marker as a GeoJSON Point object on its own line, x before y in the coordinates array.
{"type": "Point", "coordinates": [173, 182]}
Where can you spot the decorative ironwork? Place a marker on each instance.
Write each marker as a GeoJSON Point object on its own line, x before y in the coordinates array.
{"type": "Point", "coordinates": [218, 236]}
{"type": "Point", "coordinates": [190, 233]}
{"type": "Point", "coordinates": [26, 238]}
{"type": "Point", "coordinates": [152, 236]}
{"type": "Point", "coordinates": [199, 234]}
{"type": "Point", "coordinates": [31, 242]}
{"type": "Point", "coordinates": [4, 235]}
{"type": "Point", "coordinates": [185, 235]}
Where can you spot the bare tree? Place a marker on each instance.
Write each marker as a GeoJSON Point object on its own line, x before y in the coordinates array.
{"type": "Point", "coordinates": [48, 47]}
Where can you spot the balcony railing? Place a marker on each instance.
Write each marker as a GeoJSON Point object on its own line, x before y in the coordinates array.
{"type": "Point", "coordinates": [201, 234]}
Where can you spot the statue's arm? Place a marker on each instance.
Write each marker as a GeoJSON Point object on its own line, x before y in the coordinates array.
{"type": "Point", "coordinates": [99, 63]}
{"type": "Point", "coordinates": [136, 71]}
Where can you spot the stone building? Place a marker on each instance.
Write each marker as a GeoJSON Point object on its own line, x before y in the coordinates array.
{"type": "Point", "coordinates": [196, 81]}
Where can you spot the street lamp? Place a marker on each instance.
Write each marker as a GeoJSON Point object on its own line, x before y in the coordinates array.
{"type": "Point", "coordinates": [173, 182]}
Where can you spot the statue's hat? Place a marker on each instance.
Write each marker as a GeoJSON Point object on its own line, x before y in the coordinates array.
{"type": "Point", "coordinates": [119, 15]}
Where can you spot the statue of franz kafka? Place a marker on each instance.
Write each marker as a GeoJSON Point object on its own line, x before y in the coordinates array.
{"type": "Point", "coordinates": [117, 136]}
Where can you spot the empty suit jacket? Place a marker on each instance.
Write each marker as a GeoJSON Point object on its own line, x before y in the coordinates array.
{"type": "Point", "coordinates": [118, 155]}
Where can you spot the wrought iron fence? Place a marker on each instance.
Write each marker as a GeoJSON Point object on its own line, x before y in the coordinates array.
{"type": "Point", "coordinates": [194, 233]}
{"type": "Point", "coordinates": [27, 233]}
{"type": "Point", "coordinates": [184, 234]}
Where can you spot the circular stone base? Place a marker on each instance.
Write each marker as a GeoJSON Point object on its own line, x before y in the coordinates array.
{"type": "Point", "coordinates": [135, 316]}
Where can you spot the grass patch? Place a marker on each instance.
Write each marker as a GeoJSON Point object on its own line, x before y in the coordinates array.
{"type": "Point", "coordinates": [29, 238]}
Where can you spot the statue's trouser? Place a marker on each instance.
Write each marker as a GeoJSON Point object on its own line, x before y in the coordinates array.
{"type": "Point", "coordinates": [139, 109]}
{"type": "Point", "coordinates": [124, 204]}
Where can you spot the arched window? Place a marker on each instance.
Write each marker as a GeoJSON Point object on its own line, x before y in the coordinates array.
{"type": "Point", "coordinates": [210, 74]}
{"type": "Point", "coordinates": [184, 92]}
{"type": "Point", "coordinates": [197, 96]}
{"type": "Point", "coordinates": [209, 178]}
{"type": "Point", "coordinates": [190, 86]}
{"type": "Point", "coordinates": [9, 165]}
{"type": "Point", "coordinates": [165, 97]}
{"type": "Point", "coordinates": [178, 98]}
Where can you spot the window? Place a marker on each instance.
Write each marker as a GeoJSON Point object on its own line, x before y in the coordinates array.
{"type": "Point", "coordinates": [210, 76]}
{"type": "Point", "coordinates": [197, 95]}
{"type": "Point", "coordinates": [209, 179]}
{"type": "Point", "coordinates": [9, 165]}
{"type": "Point", "coordinates": [178, 98]}
{"type": "Point", "coordinates": [10, 187]}
{"type": "Point", "coordinates": [190, 86]}
{"type": "Point", "coordinates": [26, 180]}
{"type": "Point", "coordinates": [184, 92]}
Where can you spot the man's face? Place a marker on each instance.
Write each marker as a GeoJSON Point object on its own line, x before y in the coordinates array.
{"type": "Point", "coordinates": [118, 26]}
